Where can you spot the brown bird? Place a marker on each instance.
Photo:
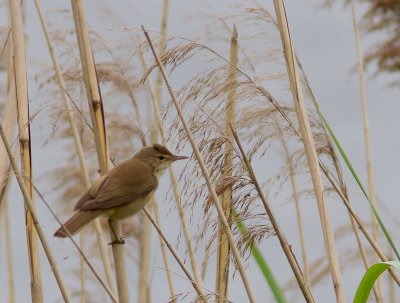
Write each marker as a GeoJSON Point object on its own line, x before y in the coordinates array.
{"type": "Point", "coordinates": [122, 191]}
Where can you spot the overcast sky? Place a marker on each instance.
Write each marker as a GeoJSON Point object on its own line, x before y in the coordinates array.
{"type": "Point", "coordinates": [323, 39]}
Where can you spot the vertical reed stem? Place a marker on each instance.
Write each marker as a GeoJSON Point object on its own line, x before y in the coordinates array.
{"type": "Point", "coordinates": [299, 217]}
{"type": "Point", "coordinates": [18, 40]}
{"type": "Point", "coordinates": [97, 117]}
{"type": "Point", "coordinates": [9, 118]}
{"type": "Point", "coordinates": [79, 148]}
{"type": "Point", "coordinates": [367, 141]}
{"type": "Point", "coordinates": [35, 221]}
{"type": "Point", "coordinates": [223, 250]}
{"type": "Point", "coordinates": [10, 269]}
{"type": "Point", "coordinates": [311, 153]}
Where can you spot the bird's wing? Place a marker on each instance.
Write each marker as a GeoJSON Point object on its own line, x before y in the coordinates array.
{"type": "Point", "coordinates": [112, 191]}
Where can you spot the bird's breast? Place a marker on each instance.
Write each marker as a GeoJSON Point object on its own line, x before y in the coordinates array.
{"type": "Point", "coordinates": [129, 209]}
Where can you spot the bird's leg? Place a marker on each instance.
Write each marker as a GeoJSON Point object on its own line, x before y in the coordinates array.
{"type": "Point", "coordinates": [116, 239]}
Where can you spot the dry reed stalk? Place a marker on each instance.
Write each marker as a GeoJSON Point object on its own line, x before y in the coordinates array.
{"type": "Point", "coordinates": [392, 287]}
{"type": "Point", "coordinates": [143, 291]}
{"type": "Point", "coordinates": [198, 288]}
{"type": "Point", "coordinates": [82, 290]}
{"type": "Point", "coordinates": [164, 255]}
{"type": "Point", "coordinates": [144, 263]}
{"type": "Point", "coordinates": [97, 117]}
{"type": "Point", "coordinates": [174, 182]}
{"type": "Point", "coordinates": [162, 44]}
{"type": "Point", "coordinates": [360, 224]}
{"type": "Point", "coordinates": [18, 41]}
{"type": "Point", "coordinates": [206, 258]}
{"type": "Point", "coordinates": [223, 249]}
{"type": "Point", "coordinates": [9, 118]}
{"type": "Point", "coordinates": [367, 141]}
{"type": "Point", "coordinates": [35, 220]}
{"type": "Point", "coordinates": [342, 184]}
{"type": "Point", "coordinates": [299, 218]}
{"type": "Point", "coordinates": [10, 270]}
{"type": "Point", "coordinates": [78, 145]}
{"type": "Point", "coordinates": [205, 174]}
{"type": "Point", "coordinates": [9, 115]}
{"type": "Point", "coordinates": [311, 153]}
{"type": "Point", "coordinates": [303, 284]}
{"type": "Point", "coordinates": [354, 225]}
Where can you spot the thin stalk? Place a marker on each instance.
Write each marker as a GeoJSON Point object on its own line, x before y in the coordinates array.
{"type": "Point", "coordinates": [94, 271]}
{"type": "Point", "coordinates": [145, 241]}
{"type": "Point", "coordinates": [311, 153]}
{"type": "Point", "coordinates": [305, 289]}
{"type": "Point", "coordinates": [82, 291]}
{"type": "Point", "coordinates": [162, 42]}
{"type": "Point", "coordinates": [343, 188]}
{"type": "Point", "coordinates": [392, 287]}
{"type": "Point", "coordinates": [145, 237]}
{"type": "Point", "coordinates": [10, 269]}
{"type": "Point", "coordinates": [35, 221]}
{"type": "Point", "coordinates": [360, 224]}
{"type": "Point", "coordinates": [164, 255]}
{"type": "Point", "coordinates": [97, 117]}
{"type": "Point", "coordinates": [18, 41]}
{"type": "Point", "coordinates": [206, 176]}
{"type": "Point", "coordinates": [78, 145]}
{"type": "Point", "coordinates": [299, 218]}
{"type": "Point", "coordinates": [360, 64]}
{"type": "Point", "coordinates": [175, 187]}
{"type": "Point", "coordinates": [223, 249]}
{"type": "Point", "coordinates": [197, 288]}
{"type": "Point", "coordinates": [371, 184]}
{"type": "Point", "coordinates": [206, 258]}
{"type": "Point", "coordinates": [9, 117]}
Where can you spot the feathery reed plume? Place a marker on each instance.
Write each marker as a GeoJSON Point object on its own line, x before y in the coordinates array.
{"type": "Point", "coordinates": [284, 243]}
{"type": "Point", "coordinates": [206, 176]}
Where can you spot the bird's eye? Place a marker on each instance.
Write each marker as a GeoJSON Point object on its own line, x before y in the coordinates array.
{"type": "Point", "coordinates": [161, 157]}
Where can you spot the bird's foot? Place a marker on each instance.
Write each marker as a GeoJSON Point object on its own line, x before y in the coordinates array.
{"type": "Point", "coordinates": [118, 241]}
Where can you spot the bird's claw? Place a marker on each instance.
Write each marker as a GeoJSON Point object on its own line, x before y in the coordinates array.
{"type": "Point", "coordinates": [118, 241]}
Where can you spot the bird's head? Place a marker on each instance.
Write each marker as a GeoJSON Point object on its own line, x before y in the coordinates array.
{"type": "Point", "coordinates": [158, 156]}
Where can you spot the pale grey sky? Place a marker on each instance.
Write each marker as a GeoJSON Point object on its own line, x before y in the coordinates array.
{"type": "Point", "coordinates": [323, 39]}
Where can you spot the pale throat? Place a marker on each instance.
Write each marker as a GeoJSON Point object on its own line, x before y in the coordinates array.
{"type": "Point", "coordinates": [160, 170]}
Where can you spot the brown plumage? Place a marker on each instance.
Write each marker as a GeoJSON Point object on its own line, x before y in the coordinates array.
{"type": "Point", "coordinates": [122, 191]}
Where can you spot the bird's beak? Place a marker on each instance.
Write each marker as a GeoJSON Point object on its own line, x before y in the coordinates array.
{"type": "Point", "coordinates": [175, 158]}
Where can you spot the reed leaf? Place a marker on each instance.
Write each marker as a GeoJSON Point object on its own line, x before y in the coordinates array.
{"type": "Point", "coordinates": [369, 278]}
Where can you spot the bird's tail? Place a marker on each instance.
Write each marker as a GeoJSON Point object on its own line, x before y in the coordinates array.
{"type": "Point", "coordinates": [76, 223]}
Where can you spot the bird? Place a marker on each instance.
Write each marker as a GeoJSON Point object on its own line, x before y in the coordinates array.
{"type": "Point", "coordinates": [122, 191]}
